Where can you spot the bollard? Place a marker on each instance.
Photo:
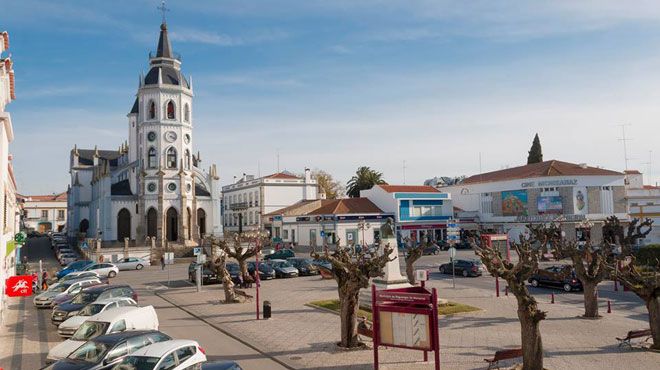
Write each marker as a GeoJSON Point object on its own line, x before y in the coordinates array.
{"type": "Point", "coordinates": [616, 286]}
{"type": "Point", "coordinates": [266, 309]}
{"type": "Point", "coordinates": [497, 286]}
{"type": "Point", "coordinates": [506, 290]}
{"type": "Point", "coordinates": [609, 306]}
{"type": "Point", "coordinates": [552, 298]}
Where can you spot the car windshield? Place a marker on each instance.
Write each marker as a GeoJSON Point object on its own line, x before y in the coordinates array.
{"type": "Point", "coordinates": [137, 363]}
{"type": "Point", "coordinates": [59, 287]}
{"type": "Point", "coordinates": [232, 267]}
{"type": "Point", "coordinates": [90, 329]}
{"type": "Point", "coordinates": [90, 267]}
{"type": "Point", "coordinates": [91, 309]}
{"type": "Point", "coordinates": [90, 352]}
{"type": "Point", "coordinates": [85, 297]}
{"type": "Point", "coordinates": [281, 264]}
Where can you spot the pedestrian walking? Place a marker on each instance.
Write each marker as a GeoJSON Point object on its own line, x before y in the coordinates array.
{"type": "Point", "coordinates": [44, 283]}
{"type": "Point", "coordinates": [162, 262]}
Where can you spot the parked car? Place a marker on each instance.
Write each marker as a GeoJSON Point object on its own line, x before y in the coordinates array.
{"type": "Point", "coordinates": [265, 271]}
{"type": "Point", "coordinates": [431, 249]}
{"type": "Point", "coordinates": [73, 267]}
{"type": "Point", "coordinates": [304, 266]}
{"type": "Point", "coordinates": [86, 274]}
{"type": "Point", "coordinates": [178, 354]}
{"type": "Point", "coordinates": [109, 322]}
{"type": "Point", "coordinates": [106, 350]}
{"type": "Point", "coordinates": [266, 251]}
{"type": "Point", "coordinates": [208, 276]}
{"type": "Point", "coordinates": [557, 277]}
{"type": "Point", "coordinates": [463, 267]}
{"type": "Point", "coordinates": [63, 289]}
{"type": "Point", "coordinates": [67, 258]}
{"type": "Point", "coordinates": [132, 263]}
{"type": "Point", "coordinates": [87, 296]}
{"type": "Point", "coordinates": [321, 263]}
{"type": "Point", "coordinates": [75, 318]}
{"type": "Point", "coordinates": [282, 254]}
{"type": "Point", "coordinates": [463, 244]}
{"type": "Point", "coordinates": [221, 365]}
{"type": "Point", "coordinates": [234, 271]}
{"type": "Point", "coordinates": [103, 269]}
{"type": "Point", "coordinates": [283, 268]}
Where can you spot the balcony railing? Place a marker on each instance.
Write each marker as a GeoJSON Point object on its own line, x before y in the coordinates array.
{"type": "Point", "coordinates": [238, 206]}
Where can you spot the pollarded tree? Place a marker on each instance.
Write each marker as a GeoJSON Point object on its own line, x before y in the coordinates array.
{"type": "Point", "coordinates": [516, 274]}
{"type": "Point", "coordinates": [641, 280]}
{"type": "Point", "coordinates": [243, 247]}
{"type": "Point", "coordinates": [413, 253]}
{"type": "Point", "coordinates": [219, 266]}
{"type": "Point", "coordinates": [352, 270]}
{"type": "Point", "coordinates": [589, 262]}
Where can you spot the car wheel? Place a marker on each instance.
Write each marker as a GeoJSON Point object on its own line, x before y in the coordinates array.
{"type": "Point", "coordinates": [112, 274]}
{"type": "Point", "coordinates": [465, 273]}
{"type": "Point", "coordinates": [567, 287]}
{"type": "Point", "coordinates": [139, 267]}
{"type": "Point", "coordinates": [442, 269]}
{"type": "Point", "coordinates": [535, 283]}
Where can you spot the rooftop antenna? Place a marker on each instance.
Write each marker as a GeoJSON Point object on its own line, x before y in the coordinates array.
{"type": "Point", "coordinates": [163, 9]}
{"type": "Point", "coordinates": [625, 140]}
{"type": "Point", "coordinates": [278, 160]}
{"type": "Point", "coordinates": [648, 171]}
{"type": "Point", "coordinates": [404, 172]}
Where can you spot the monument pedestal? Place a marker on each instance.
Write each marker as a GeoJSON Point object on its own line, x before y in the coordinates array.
{"type": "Point", "coordinates": [392, 279]}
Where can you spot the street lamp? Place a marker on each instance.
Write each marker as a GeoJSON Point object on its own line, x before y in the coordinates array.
{"type": "Point", "coordinates": [363, 225]}
{"type": "Point", "coordinates": [257, 235]}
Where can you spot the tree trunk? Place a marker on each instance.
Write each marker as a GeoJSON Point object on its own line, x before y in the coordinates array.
{"type": "Point", "coordinates": [244, 270]}
{"type": "Point", "coordinates": [348, 305]}
{"type": "Point", "coordinates": [410, 270]}
{"type": "Point", "coordinates": [228, 285]}
{"type": "Point", "coordinates": [531, 339]}
{"type": "Point", "coordinates": [590, 299]}
{"type": "Point", "coordinates": [653, 306]}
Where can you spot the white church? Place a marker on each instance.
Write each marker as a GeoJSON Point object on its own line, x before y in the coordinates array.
{"type": "Point", "coordinates": [152, 185]}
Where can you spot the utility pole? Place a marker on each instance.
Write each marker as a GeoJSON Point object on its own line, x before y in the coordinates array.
{"type": "Point", "coordinates": [625, 140]}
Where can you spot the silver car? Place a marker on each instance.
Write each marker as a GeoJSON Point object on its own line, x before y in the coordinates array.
{"type": "Point", "coordinates": [132, 263]}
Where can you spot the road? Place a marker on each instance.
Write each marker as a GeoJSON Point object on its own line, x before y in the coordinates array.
{"type": "Point", "coordinates": [27, 340]}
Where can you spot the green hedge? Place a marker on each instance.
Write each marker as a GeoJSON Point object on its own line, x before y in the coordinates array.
{"type": "Point", "coordinates": [648, 254]}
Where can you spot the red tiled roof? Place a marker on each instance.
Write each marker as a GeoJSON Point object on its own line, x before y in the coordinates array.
{"type": "Point", "coordinates": [650, 187]}
{"type": "Point", "coordinates": [61, 197]}
{"type": "Point", "coordinates": [346, 206]}
{"type": "Point", "coordinates": [409, 189]}
{"type": "Point", "coordinates": [281, 175]}
{"type": "Point", "coordinates": [632, 172]}
{"type": "Point", "coordinates": [293, 207]}
{"type": "Point", "coordinates": [541, 169]}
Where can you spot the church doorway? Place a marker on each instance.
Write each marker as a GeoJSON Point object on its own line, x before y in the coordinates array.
{"type": "Point", "coordinates": [152, 222]}
{"type": "Point", "coordinates": [201, 222]}
{"type": "Point", "coordinates": [172, 224]}
{"type": "Point", "coordinates": [84, 225]}
{"type": "Point", "coordinates": [123, 224]}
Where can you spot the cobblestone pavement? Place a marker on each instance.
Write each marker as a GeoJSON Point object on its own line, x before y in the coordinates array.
{"type": "Point", "coordinates": [305, 337]}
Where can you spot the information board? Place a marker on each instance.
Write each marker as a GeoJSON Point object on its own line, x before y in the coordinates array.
{"type": "Point", "coordinates": [405, 330]}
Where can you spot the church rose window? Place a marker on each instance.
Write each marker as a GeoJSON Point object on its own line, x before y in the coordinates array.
{"type": "Point", "coordinates": [152, 110]}
{"type": "Point", "coordinates": [170, 110]}
{"type": "Point", "coordinates": [171, 186]}
{"type": "Point", "coordinates": [171, 158]}
{"type": "Point", "coordinates": [151, 187]}
{"type": "Point", "coordinates": [151, 136]}
{"type": "Point", "coordinates": [151, 158]}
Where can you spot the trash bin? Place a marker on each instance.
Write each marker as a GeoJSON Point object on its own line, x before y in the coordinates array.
{"type": "Point", "coordinates": [266, 309]}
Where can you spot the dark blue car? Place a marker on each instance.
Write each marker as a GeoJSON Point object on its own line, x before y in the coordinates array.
{"type": "Point", "coordinates": [73, 267]}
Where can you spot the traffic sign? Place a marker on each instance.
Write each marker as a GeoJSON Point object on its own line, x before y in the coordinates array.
{"type": "Point", "coordinates": [19, 286]}
{"type": "Point", "coordinates": [20, 237]}
{"type": "Point", "coordinates": [322, 233]}
{"type": "Point", "coordinates": [197, 251]}
{"type": "Point", "coordinates": [84, 245]}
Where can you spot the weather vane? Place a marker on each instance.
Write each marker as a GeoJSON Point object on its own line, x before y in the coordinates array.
{"type": "Point", "coordinates": [163, 9]}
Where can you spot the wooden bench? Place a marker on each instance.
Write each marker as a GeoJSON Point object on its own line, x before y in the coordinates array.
{"type": "Point", "coordinates": [633, 334]}
{"type": "Point", "coordinates": [505, 354]}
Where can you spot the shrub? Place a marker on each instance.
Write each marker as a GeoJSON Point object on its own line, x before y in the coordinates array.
{"type": "Point", "coordinates": [648, 254]}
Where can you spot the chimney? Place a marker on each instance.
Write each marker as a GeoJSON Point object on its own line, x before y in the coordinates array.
{"type": "Point", "coordinates": [583, 165]}
{"type": "Point", "coordinates": [308, 176]}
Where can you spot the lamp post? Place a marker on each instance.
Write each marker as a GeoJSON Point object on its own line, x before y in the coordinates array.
{"type": "Point", "coordinates": [363, 225]}
{"type": "Point", "coordinates": [258, 234]}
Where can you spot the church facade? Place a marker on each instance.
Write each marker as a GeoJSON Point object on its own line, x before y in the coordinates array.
{"type": "Point", "coordinates": [153, 185]}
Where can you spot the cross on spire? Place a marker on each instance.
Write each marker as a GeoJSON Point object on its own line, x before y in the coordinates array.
{"type": "Point", "coordinates": [163, 9]}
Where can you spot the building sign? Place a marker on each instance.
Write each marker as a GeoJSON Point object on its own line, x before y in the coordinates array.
{"type": "Point", "coordinates": [580, 204]}
{"type": "Point", "coordinates": [19, 286]}
{"type": "Point", "coordinates": [514, 203]}
{"type": "Point", "coordinates": [543, 183]}
{"type": "Point", "coordinates": [549, 205]}
{"type": "Point", "coordinates": [550, 217]}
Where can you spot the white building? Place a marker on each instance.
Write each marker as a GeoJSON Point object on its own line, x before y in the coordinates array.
{"type": "Point", "coordinates": [10, 209]}
{"type": "Point", "coordinates": [505, 201]}
{"type": "Point", "coordinates": [643, 202]}
{"type": "Point", "coordinates": [343, 222]}
{"type": "Point", "coordinates": [152, 185]}
{"type": "Point", "coordinates": [249, 199]}
{"type": "Point", "coordinates": [44, 213]}
{"type": "Point", "coordinates": [421, 211]}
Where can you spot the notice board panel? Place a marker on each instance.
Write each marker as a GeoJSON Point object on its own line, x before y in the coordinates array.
{"type": "Point", "coordinates": [405, 329]}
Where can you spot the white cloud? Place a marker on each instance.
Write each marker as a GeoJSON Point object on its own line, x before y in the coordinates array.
{"type": "Point", "coordinates": [214, 38]}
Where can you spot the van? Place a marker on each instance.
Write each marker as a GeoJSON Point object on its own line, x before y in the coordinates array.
{"type": "Point", "coordinates": [107, 322]}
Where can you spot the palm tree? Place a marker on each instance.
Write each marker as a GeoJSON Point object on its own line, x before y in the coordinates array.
{"type": "Point", "coordinates": [365, 178]}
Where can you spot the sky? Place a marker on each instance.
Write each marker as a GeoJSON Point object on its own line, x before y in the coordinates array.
{"type": "Point", "coordinates": [449, 87]}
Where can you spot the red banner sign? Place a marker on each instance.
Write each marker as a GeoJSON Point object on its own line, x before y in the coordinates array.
{"type": "Point", "coordinates": [19, 286]}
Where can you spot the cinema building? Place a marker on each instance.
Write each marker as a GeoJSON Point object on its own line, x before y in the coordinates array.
{"type": "Point", "coordinates": [581, 197]}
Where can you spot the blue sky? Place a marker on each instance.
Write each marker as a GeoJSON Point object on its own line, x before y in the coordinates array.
{"type": "Point", "coordinates": [339, 84]}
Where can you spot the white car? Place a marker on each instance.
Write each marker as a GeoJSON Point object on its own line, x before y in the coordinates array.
{"type": "Point", "coordinates": [107, 322]}
{"type": "Point", "coordinates": [102, 268]}
{"type": "Point", "coordinates": [86, 274]}
{"type": "Point", "coordinates": [76, 318]}
{"type": "Point", "coordinates": [67, 258]}
{"type": "Point", "coordinates": [178, 354]}
{"type": "Point", "coordinates": [58, 289]}
{"type": "Point", "coordinates": [132, 263]}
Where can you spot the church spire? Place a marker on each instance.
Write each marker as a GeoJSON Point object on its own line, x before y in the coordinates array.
{"type": "Point", "coordinates": [164, 47]}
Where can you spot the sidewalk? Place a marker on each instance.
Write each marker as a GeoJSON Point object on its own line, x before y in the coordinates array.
{"type": "Point", "coordinates": [305, 337]}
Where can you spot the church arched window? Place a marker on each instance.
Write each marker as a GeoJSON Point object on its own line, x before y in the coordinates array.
{"type": "Point", "coordinates": [186, 159]}
{"type": "Point", "coordinates": [186, 113]}
{"type": "Point", "coordinates": [171, 157]}
{"type": "Point", "coordinates": [152, 110]}
{"type": "Point", "coordinates": [151, 158]}
{"type": "Point", "coordinates": [169, 110]}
